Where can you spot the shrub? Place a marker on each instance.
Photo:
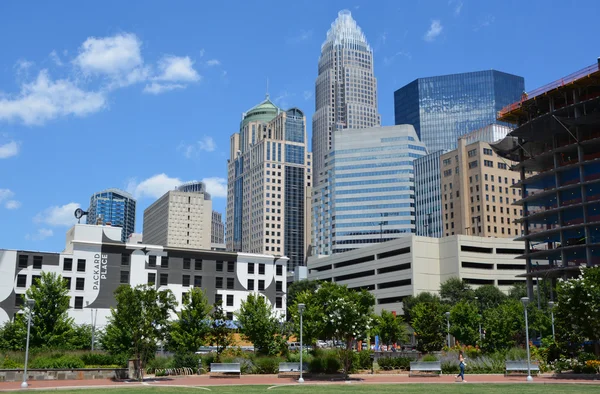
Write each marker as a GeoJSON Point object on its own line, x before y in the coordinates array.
{"type": "Point", "coordinates": [362, 359]}
{"type": "Point", "coordinates": [102, 359]}
{"type": "Point", "coordinates": [9, 363]}
{"type": "Point", "coordinates": [429, 357]}
{"type": "Point", "coordinates": [158, 363]}
{"type": "Point", "coordinates": [316, 365]}
{"type": "Point", "coordinates": [60, 362]}
{"type": "Point", "coordinates": [186, 360]}
{"type": "Point", "coordinates": [266, 365]}
{"type": "Point", "coordinates": [401, 363]}
{"type": "Point", "coordinates": [516, 353]}
{"type": "Point", "coordinates": [385, 363]}
{"type": "Point", "coordinates": [294, 357]}
{"type": "Point", "coordinates": [332, 363]}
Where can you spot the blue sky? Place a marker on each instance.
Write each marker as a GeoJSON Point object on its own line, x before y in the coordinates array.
{"type": "Point", "coordinates": [141, 95]}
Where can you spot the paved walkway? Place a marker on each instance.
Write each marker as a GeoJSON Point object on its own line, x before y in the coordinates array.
{"type": "Point", "coordinates": [204, 380]}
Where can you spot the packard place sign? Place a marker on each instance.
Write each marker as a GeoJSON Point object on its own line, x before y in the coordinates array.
{"type": "Point", "coordinates": [100, 269]}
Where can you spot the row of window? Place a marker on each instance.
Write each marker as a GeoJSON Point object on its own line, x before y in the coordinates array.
{"type": "Point", "coordinates": [186, 281]}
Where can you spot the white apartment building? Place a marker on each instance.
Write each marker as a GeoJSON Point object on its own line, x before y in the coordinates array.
{"type": "Point", "coordinates": [410, 265]}
{"type": "Point", "coordinates": [180, 218]}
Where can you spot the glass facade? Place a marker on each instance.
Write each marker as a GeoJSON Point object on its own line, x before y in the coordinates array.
{"type": "Point", "coordinates": [115, 207]}
{"type": "Point", "coordinates": [368, 191]}
{"type": "Point", "coordinates": [444, 108]}
{"type": "Point", "coordinates": [428, 196]}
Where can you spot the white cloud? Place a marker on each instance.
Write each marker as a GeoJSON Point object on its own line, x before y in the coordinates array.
{"type": "Point", "coordinates": [434, 30]}
{"type": "Point", "coordinates": [5, 194]}
{"type": "Point", "coordinates": [58, 215]}
{"type": "Point", "coordinates": [307, 94]}
{"type": "Point", "coordinates": [110, 55]}
{"type": "Point", "coordinates": [41, 234]}
{"type": "Point", "coordinates": [22, 66]}
{"type": "Point", "coordinates": [45, 99]}
{"type": "Point", "coordinates": [9, 149]}
{"type": "Point", "coordinates": [55, 58]}
{"type": "Point", "coordinates": [217, 187]}
{"type": "Point", "coordinates": [153, 187]}
{"type": "Point", "coordinates": [457, 6]}
{"type": "Point", "coordinates": [158, 88]}
{"type": "Point", "coordinates": [177, 69]}
{"type": "Point", "coordinates": [12, 204]}
{"type": "Point", "coordinates": [207, 144]}
{"type": "Point", "coordinates": [213, 62]}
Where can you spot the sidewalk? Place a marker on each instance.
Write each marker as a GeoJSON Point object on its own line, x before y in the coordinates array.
{"type": "Point", "coordinates": [273, 380]}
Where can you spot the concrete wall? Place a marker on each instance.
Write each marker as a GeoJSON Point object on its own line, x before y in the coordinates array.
{"type": "Point", "coordinates": [16, 375]}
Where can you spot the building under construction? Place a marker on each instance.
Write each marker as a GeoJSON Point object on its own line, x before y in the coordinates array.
{"type": "Point", "coordinates": [556, 145]}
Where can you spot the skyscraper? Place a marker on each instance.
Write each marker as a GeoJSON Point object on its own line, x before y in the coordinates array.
{"type": "Point", "coordinates": [346, 88]}
{"type": "Point", "coordinates": [443, 108]}
{"type": "Point", "coordinates": [268, 173]}
{"type": "Point", "coordinates": [180, 218]}
{"type": "Point", "coordinates": [113, 206]}
{"type": "Point", "coordinates": [367, 195]}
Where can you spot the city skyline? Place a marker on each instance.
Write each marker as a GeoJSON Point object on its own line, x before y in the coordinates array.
{"type": "Point", "coordinates": [161, 110]}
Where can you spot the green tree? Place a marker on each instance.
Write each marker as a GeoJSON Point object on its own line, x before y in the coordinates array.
{"type": "Point", "coordinates": [82, 337]}
{"type": "Point", "coordinates": [390, 328]}
{"type": "Point", "coordinates": [192, 327]}
{"type": "Point", "coordinates": [409, 302]}
{"type": "Point", "coordinates": [455, 290]}
{"type": "Point", "coordinates": [297, 288]}
{"type": "Point", "coordinates": [12, 335]}
{"type": "Point", "coordinates": [138, 322]}
{"type": "Point", "coordinates": [51, 326]}
{"type": "Point", "coordinates": [260, 325]}
{"type": "Point", "coordinates": [220, 334]}
{"type": "Point", "coordinates": [429, 324]}
{"type": "Point", "coordinates": [504, 326]}
{"type": "Point", "coordinates": [518, 291]}
{"type": "Point", "coordinates": [489, 296]}
{"type": "Point", "coordinates": [577, 307]}
{"type": "Point", "coordinates": [464, 322]}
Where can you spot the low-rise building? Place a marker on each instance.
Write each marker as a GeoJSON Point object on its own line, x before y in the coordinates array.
{"type": "Point", "coordinates": [411, 265]}
{"type": "Point", "coordinates": [95, 263]}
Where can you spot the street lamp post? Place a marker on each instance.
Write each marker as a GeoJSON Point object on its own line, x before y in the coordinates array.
{"type": "Point", "coordinates": [94, 313]}
{"type": "Point", "coordinates": [448, 321]}
{"type": "Point", "coordinates": [525, 301]}
{"type": "Point", "coordinates": [301, 311]}
{"type": "Point", "coordinates": [551, 306]}
{"type": "Point", "coordinates": [30, 305]}
{"type": "Point", "coordinates": [480, 337]}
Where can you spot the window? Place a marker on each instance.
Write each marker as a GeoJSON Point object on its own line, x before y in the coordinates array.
{"type": "Point", "coordinates": [164, 279]}
{"type": "Point", "coordinates": [164, 262]}
{"type": "Point", "coordinates": [185, 281]}
{"type": "Point", "coordinates": [80, 284]}
{"type": "Point", "coordinates": [219, 266]}
{"type": "Point", "coordinates": [68, 264]}
{"type": "Point", "coordinates": [23, 261]}
{"type": "Point", "coordinates": [447, 173]}
{"type": "Point", "coordinates": [229, 299]}
{"type": "Point", "coordinates": [219, 282]}
{"type": "Point", "coordinates": [261, 285]}
{"type": "Point", "coordinates": [187, 263]}
{"type": "Point", "coordinates": [67, 283]}
{"type": "Point", "coordinates": [279, 270]}
{"type": "Point", "coordinates": [198, 264]}
{"type": "Point", "coordinates": [21, 280]}
{"type": "Point", "coordinates": [124, 277]}
{"type": "Point", "coordinates": [487, 151]}
{"type": "Point", "coordinates": [488, 163]}
{"type": "Point", "coordinates": [278, 285]}
{"type": "Point", "coordinates": [218, 298]}
{"type": "Point", "coordinates": [80, 265]}
{"type": "Point", "coordinates": [485, 177]}
{"type": "Point", "coordinates": [229, 315]}
{"type": "Point", "coordinates": [197, 281]}
{"type": "Point", "coordinates": [502, 166]}
{"type": "Point", "coordinates": [250, 268]}
{"type": "Point", "coordinates": [250, 284]}
{"type": "Point", "coordinates": [151, 278]}
{"type": "Point", "coordinates": [230, 283]}
{"type": "Point", "coordinates": [473, 164]}
{"type": "Point", "coordinates": [261, 269]}
{"type": "Point", "coordinates": [124, 259]}
{"type": "Point", "coordinates": [278, 302]}
{"type": "Point", "coordinates": [78, 302]}
{"type": "Point", "coordinates": [472, 153]}
{"type": "Point", "coordinates": [152, 261]}
{"type": "Point", "coordinates": [37, 262]}
{"type": "Point", "coordinates": [19, 300]}
{"type": "Point", "coordinates": [230, 266]}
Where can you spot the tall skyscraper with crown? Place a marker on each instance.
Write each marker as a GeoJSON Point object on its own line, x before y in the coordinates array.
{"type": "Point", "coordinates": [346, 88]}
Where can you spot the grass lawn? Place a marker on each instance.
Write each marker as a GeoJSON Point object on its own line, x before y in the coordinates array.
{"type": "Point", "coordinates": [360, 388]}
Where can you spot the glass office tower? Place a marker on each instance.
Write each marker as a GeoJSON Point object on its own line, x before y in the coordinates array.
{"type": "Point", "coordinates": [113, 206]}
{"type": "Point", "coordinates": [443, 108]}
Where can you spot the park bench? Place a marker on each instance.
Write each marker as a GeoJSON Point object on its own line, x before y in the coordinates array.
{"type": "Point", "coordinates": [426, 367]}
{"type": "Point", "coordinates": [286, 368]}
{"type": "Point", "coordinates": [521, 366]}
{"type": "Point", "coordinates": [225, 368]}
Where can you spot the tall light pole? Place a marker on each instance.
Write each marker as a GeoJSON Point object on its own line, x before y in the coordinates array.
{"type": "Point", "coordinates": [525, 301]}
{"type": "Point", "coordinates": [551, 306]}
{"type": "Point", "coordinates": [30, 305]}
{"type": "Point", "coordinates": [448, 321]}
{"type": "Point", "coordinates": [301, 311]}
{"type": "Point", "coordinates": [94, 313]}
{"type": "Point", "coordinates": [480, 337]}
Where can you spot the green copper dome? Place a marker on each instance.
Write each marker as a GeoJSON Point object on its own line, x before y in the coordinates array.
{"type": "Point", "coordinates": [263, 112]}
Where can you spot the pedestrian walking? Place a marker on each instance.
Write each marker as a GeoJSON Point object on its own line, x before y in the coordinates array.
{"type": "Point", "coordinates": [462, 365]}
